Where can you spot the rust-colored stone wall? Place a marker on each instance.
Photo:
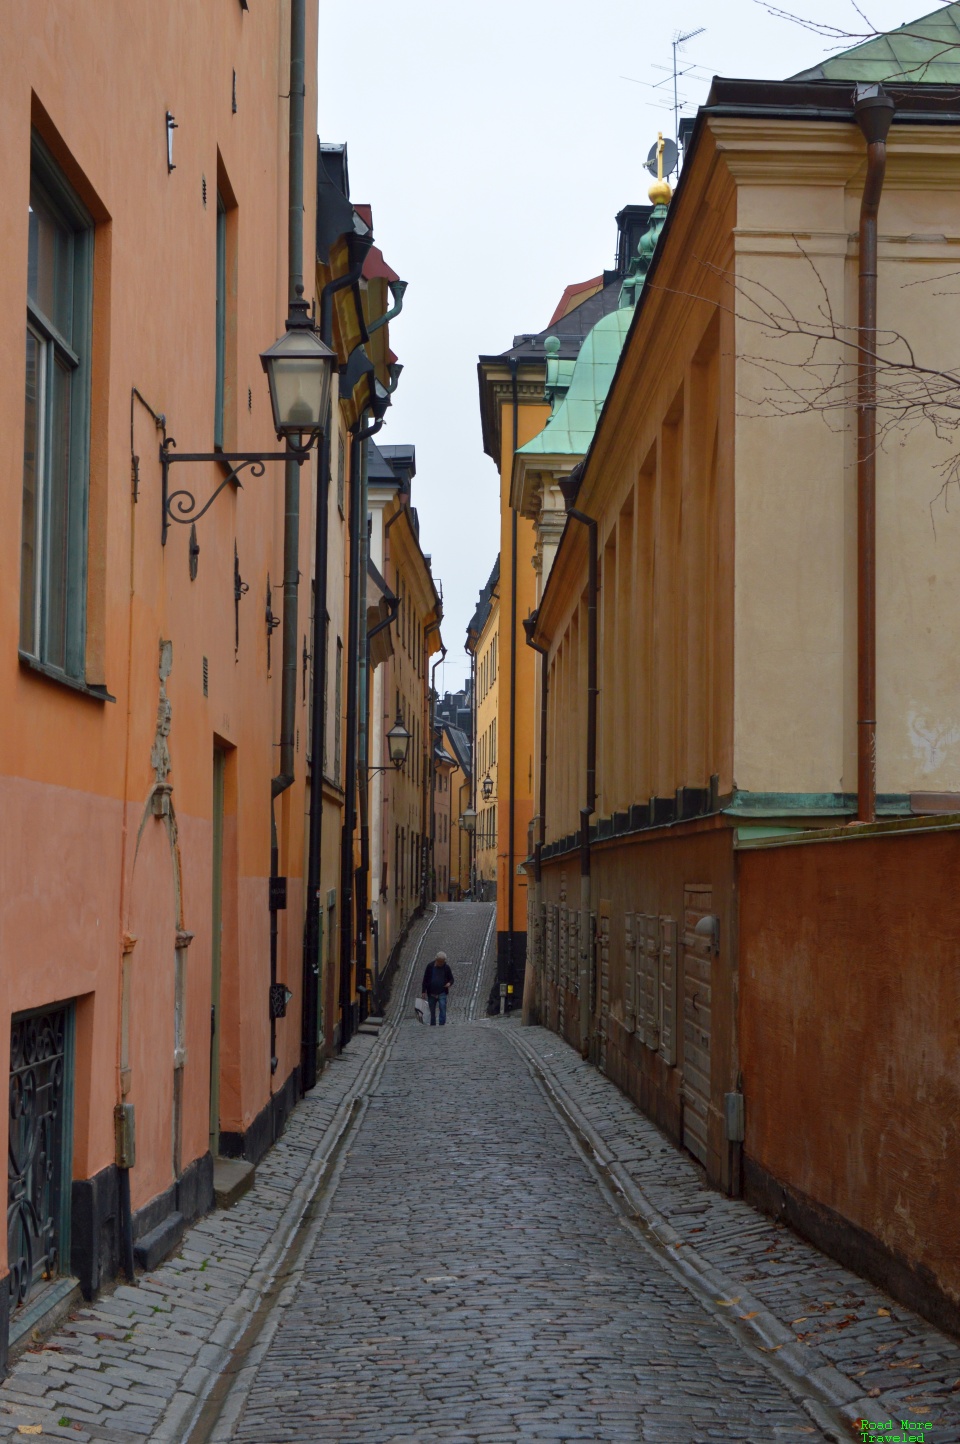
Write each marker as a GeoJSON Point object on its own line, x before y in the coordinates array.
{"type": "Point", "coordinates": [653, 874]}
{"type": "Point", "coordinates": [849, 1004]}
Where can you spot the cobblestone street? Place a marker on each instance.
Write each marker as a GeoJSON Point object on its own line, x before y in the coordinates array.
{"type": "Point", "coordinates": [468, 1234]}
{"type": "Point", "coordinates": [471, 1283]}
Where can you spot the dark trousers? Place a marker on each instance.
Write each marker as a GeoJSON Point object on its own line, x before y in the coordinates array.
{"type": "Point", "coordinates": [433, 1000]}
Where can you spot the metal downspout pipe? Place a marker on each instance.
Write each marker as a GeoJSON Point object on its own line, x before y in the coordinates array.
{"type": "Point", "coordinates": [873, 112]}
{"type": "Point", "coordinates": [534, 1002]}
{"type": "Point", "coordinates": [505, 964]}
{"type": "Point", "coordinates": [363, 727]}
{"type": "Point", "coordinates": [312, 932]}
{"type": "Point", "coordinates": [291, 486]}
{"type": "Point", "coordinates": [590, 804]}
{"type": "Point", "coordinates": [394, 605]}
{"type": "Point", "coordinates": [359, 434]}
{"type": "Point", "coordinates": [291, 520]}
{"type": "Point", "coordinates": [433, 768]}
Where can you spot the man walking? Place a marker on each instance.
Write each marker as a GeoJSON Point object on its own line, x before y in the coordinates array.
{"type": "Point", "coordinates": [437, 982]}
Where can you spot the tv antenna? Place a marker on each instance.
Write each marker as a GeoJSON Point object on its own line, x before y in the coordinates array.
{"type": "Point", "coordinates": [698, 73]}
{"type": "Point", "coordinates": [679, 39]}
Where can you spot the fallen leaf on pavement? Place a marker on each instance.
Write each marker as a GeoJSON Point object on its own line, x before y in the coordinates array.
{"type": "Point", "coordinates": [752, 1315]}
{"type": "Point", "coordinates": [874, 1394]}
{"type": "Point", "coordinates": [29, 1428]}
{"type": "Point", "coordinates": [884, 1312]}
{"type": "Point", "coordinates": [727, 1303]}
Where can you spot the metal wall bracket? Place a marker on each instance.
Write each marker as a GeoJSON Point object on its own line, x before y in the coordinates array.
{"type": "Point", "coordinates": [181, 505]}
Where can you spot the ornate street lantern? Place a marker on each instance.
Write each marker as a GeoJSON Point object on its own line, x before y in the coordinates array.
{"type": "Point", "coordinates": [398, 741]}
{"type": "Point", "coordinates": [299, 370]}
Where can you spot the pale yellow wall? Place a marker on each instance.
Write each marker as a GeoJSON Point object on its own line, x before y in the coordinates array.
{"type": "Point", "coordinates": [796, 478]}
{"type": "Point", "coordinates": [727, 614]}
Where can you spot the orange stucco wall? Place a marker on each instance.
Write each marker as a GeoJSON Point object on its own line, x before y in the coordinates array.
{"type": "Point", "coordinates": [83, 858]}
{"type": "Point", "coordinates": [848, 1007]}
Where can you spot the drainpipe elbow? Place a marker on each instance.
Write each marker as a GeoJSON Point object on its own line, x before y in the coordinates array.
{"type": "Point", "coordinates": [280, 783]}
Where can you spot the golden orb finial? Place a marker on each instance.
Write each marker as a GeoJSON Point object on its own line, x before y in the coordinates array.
{"type": "Point", "coordinates": [660, 193]}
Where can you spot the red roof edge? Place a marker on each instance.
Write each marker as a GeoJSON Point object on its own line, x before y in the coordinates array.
{"type": "Point", "coordinates": [563, 305]}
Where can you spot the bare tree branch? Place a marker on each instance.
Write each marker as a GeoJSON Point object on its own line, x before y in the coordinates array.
{"type": "Point", "coordinates": [842, 38]}
{"type": "Point", "coordinates": [810, 364]}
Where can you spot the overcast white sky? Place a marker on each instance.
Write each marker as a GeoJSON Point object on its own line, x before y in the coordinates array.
{"type": "Point", "coordinates": [496, 142]}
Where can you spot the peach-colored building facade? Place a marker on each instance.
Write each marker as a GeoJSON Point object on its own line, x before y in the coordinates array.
{"type": "Point", "coordinates": [139, 681]}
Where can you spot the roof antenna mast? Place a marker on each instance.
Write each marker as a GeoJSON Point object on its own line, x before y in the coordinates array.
{"type": "Point", "coordinates": [678, 40]}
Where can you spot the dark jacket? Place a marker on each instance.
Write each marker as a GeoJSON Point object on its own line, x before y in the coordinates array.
{"type": "Point", "coordinates": [437, 978]}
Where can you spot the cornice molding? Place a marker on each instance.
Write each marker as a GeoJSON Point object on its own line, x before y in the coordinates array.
{"type": "Point", "coordinates": [798, 152]}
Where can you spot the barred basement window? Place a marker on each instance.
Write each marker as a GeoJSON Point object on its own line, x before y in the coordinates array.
{"type": "Point", "coordinates": [56, 445]}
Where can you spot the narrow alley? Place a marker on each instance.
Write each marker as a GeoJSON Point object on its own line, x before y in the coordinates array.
{"type": "Point", "coordinates": [472, 1283]}
{"type": "Point", "coordinates": [445, 1246]}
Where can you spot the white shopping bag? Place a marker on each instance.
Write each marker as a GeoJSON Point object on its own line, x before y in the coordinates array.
{"type": "Point", "coordinates": [420, 1006]}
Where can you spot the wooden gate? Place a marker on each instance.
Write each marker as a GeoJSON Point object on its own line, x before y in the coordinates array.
{"type": "Point", "coordinates": [697, 990]}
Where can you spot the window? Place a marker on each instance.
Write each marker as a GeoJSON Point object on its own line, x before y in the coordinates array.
{"type": "Point", "coordinates": [56, 444]}
{"type": "Point", "coordinates": [221, 321]}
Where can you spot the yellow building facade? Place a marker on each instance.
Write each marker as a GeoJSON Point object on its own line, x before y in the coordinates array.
{"type": "Point", "coordinates": [487, 715]}
{"type": "Point", "coordinates": [513, 410]}
{"type": "Point", "coordinates": [717, 500]}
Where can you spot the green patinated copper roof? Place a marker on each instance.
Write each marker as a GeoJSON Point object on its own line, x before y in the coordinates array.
{"type": "Point", "coordinates": [924, 51]}
{"type": "Point", "coordinates": [570, 429]}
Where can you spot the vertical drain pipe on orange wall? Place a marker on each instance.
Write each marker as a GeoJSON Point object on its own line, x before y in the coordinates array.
{"type": "Point", "coordinates": [534, 1006]}
{"type": "Point", "coordinates": [873, 112]}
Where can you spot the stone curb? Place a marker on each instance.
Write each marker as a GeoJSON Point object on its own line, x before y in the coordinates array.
{"type": "Point", "coordinates": [836, 1400]}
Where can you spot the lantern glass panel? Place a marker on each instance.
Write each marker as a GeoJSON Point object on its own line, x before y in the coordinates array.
{"type": "Point", "coordinates": [299, 368]}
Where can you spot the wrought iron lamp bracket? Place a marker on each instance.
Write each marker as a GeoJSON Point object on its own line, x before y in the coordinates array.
{"type": "Point", "coordinates": [182, 506]}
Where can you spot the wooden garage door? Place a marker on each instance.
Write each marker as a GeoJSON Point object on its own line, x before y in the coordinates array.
{"type": "Point", "coordinates": [697, 968]}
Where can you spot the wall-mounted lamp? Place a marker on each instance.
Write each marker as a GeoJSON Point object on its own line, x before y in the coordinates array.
{"type": "Point", "coordinates": [486, 787]}
{"type": "Point", "coordinates": [398, 743]}
{"type": "Point", "coordinates": [468, 820]}
{"type": "Point", "coordinates": [709, 927]}
{"type": "Point", "coordinates": [299, 369]}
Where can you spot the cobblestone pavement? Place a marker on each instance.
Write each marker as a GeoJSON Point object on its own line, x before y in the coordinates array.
{"type": "Point", "coordinates": [871, 1356]}
{"type": "Point", "coordinates": [138, 1363]}
{"type": "Point", "coordinates": [470, 1282]}
{"type": "Point", "coordinates": [470, 1234]}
